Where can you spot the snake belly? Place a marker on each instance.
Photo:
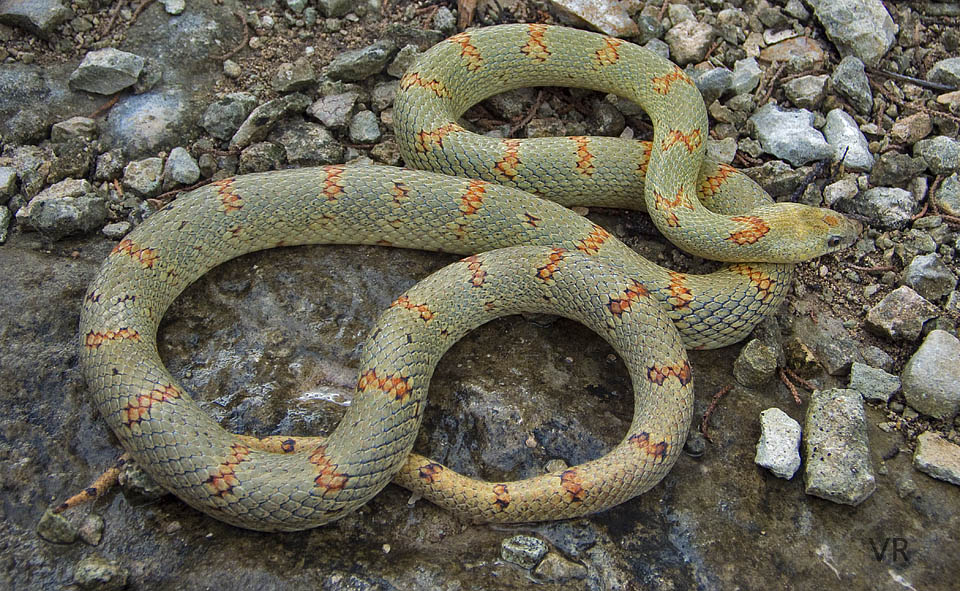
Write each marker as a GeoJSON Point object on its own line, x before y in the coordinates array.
{"type": "Point", "coordinates": [566, 265]}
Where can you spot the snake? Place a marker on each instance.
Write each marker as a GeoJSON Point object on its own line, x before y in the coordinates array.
{"type": "Point", "coordinates": [502, 203]}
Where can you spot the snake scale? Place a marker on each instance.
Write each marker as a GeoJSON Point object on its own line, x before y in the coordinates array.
{"type": "Point", "coordinates": [488, 198]}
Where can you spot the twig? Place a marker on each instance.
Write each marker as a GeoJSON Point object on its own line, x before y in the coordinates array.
{"type": "Point", "coordinates": [793, 389]}
{"type": "Point", "coordinates": [923, 211]}
{"type": "Point", "coordinates": [705, 421]}
{"type": "Point", "coordinates": [246, 38]}
{"type": "Point", "coordinates": [878, 269]}
{"type": "Point", "coordinates": [918, 81]}
{"type": "Point", "coordinates": [772, 83]}
{"type": "Point", "coordinates": [140, 9]}
{"type": "Point", "coordinates": [162, 197]}
{"type": "Point", "coordinates": [105, 107]}
{"type": "Point", "coordinates": [529, 116]}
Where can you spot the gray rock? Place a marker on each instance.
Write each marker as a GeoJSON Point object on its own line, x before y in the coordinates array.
{"type": "Point", "coordinates": [650, 29]}
{"type": "Point", "coordinates": [900, 315]}
{"type": "Point", "coordinates": [756, 364]}
{"type": "Point", "coordinates": [790, 135]}
{"type": "Point", "coordinates": [143, 178]}
{"type": "Point", "coordinates": [843, 189]}
{"type": "Point", "coordinates": [849, 79]}
{"type": "Point", "coordinates": [307, 143]}
{"type": "Point", "coordinates": [335, 8]}
{"type": "Point", "coordinates": [40, 17]}
{"type": "Point", "coordinates": [947, 195]}
{"type": "Point", "coordinates": [335, 110]}
{"type": "Point", "coordinates": [724, 150]}
{"type": "Point", "coordinates": [107, 71]}
{"type": "Point", "coordinates": [806, 92]}
{"type": "Point", "coordinates": [837, 456]}
{"type": "Point", "coordinates": [941, 154]}
{"type": "Point", "coordinates": [109, 166]}
{"type": "Point", "coordinates": [713, 83]}
{"type": "Point", "coordinates": [444, 21]}
{"type": "Point", "coordinates": [69, 207]}
{"type": "Point", "coordinates": [606, 120]}
{"type": "Point", "coordinates": [746, 76]}
{"type": "Point", "coordinates": [797, 10]}
{"type": "Point", "coordinates": [886, 207]}
{"type": "Point", "coordinates": [937, 457]}
{"type": "Point", "coordinates": [873, 384]}
{"type": "Point", "coordinates": [261, 157]}
{"type": "Point", "coordinates": [779, 447]}
{"type": "Point", "coordinates": [557, 569]}
{"type": "Point", "coordinates": [297, 6]}
{"type": "Point", "coordinates": [929, 277]}
{"type": "Point", "coordinates": [231, 69]}
{"type": "Point", "coordinates": [174, 7]}
{"type": "Point", "coordinates": [406, 57]}
{"type": "Point", "coordinates": [117, 230]}
{"type": "Point", "coordinates": [364, 128]}
{"type": "Point", "coordinates": [383, 94]}
{"type": "Point", "coordinates": [223, 118]}
{"type": "Point", "coordinates": [6, 216]}
{"type": "Point", "coordinates": [262, 119]}
{"type": "Point", "coordinates": [8, 182]}
{"type": "Point", "coordinates": [91, 529]}
{"type": "Point", "coordinates": [405, 34]}
{"type": "Point", "coordinates": [387, 152]}
{"type": "Point", "coordinates": [677, 13]}
{"type": "Point", "coordinates": [55, 528]}
{"type": "Point", "coordinates": [95, 573]}
{"type": "Point", "coordinates": [136, 483]}
{"type": "Point", "coordinates": [912, 128]}
{"type": "Point", "coordinates": [180, 168]}
{"type": "Point", "coordinates": [150, 76]}
{"type": "Point", "coordinates": [848, 142]}
{"type": "Point", "coordinates": [360, 64]}
{"type": "Point", "coordinates": [525, 551]}
{"type": "Point", "coordinates": [658, 47]}
{"type": "Point", "coordinates": [32, 164]}
{"type": "Point", "coordinates": [689, 41]}
{"type": "Point", "coordinates": [946, 71]}
{"type": "Point", "coordinates": [893, 168]}
{"type": "Point", "coordinates": [82, 128]}
{"type": "Point", "coordinates": [832, 344]}
{"type": "Point", "coordinates": [294, 77]}
{"type": "Point", "coordinates": [148, 123]}
{"type": "Point", "coordinates": [74, 157]}
{"type": "Point", "coordinates": [931, 377]}
{"type": "Point", "coordinates": [859, 27]}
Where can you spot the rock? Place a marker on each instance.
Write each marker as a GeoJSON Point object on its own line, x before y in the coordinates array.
{"type": "Point", "coordinates": [790, 135]}
{"type": "Point", "coordinates": [557, 569]}
{"type": "Point", "coordinates": [873, 384]}
{"type": "Point", "coordinates": [831, 343]}
{"type": "Point", "coordinates": [946, 71]}
{"type": "Point", "coordinates": [386, 152]}
{"type": "Point", "coordinates": [797, 10]}
{"type": "Point", "coordinates": [361, 63]}
{"type": "Point", "coordinates": [611, 19]}
{"type": "Point", "coordinates": [307, 143]}
{"type": "Point", "coordinates": [840, 190]}
{"type": "Point", "coordinates": [801, 54]}
{"type": "Point", "coordinates": [40, 17]}
{"type": "Point", "coordinates": [714, 82]}
{"type": "Point", "coordinates": [406, 57]}
{"type": "Point", "coordinates": [859, 27]}
{"type": "Point", "coordinates": [231, 69]}
{"type": "Point", "coordinates": [383, 94]}
{"type": "Point", "coordinates": [886, 207]}
{"type": "Point", "coordinates": [900, 315]}
{"type": "Point", "coordinates": [607, 120]}
{"type": "Point", "coordinates": [223, 118]}
{"type": "Point", "coordinates": [947, 195]}
{"type": "Point", "coordinates": [650, 29]}
{"type": "Point", "coordinates": [848, 142]}
{"type": "Point", "coordinates": [74, 128]}
{"type": "Point", "coordinates": [262, 119]}
{"type": "Point", "coordinates": [6, 216]}
{"type": "Point", "coordinates": [138, 484]}
{"type": "Point", "coordinates": [109, 166]}
{"type": "Point", "coordinates": [724, 150]}
{"type": "Point", "coordinates": [32, 164]}
{"type": "Point", "coordinates": [837, 456]}
{"type": "Point", "coordinates": [444, 21]}
{"type": "Point", "coordinates": [55, 528]}
{"type": "Point", "coordinates": [174, 7]}
{"type": "Point", "coordinates": [261, 157]}
{"type": "Point", "coordinates": [931, 377]}
{"type": "Point", "coordinates": [941, 154]}
{"type": "Point", "coordinates": [689, 41]}
{"type": "Point", "coordinates": [569, 538]}
{"type": "Point", "coordinates": [91, 529]}
{"type": "Point", "coordinates": [98, 574]}
{"type": "Point", "coordinates": [144, 178]}
{"type": "Point", "coordinates": [893, 168]}
{"type": "Point", "coordinates": [8, 182]}
{"type": "Point", "coordinates": [911, 129]}
{"type": "Point", "coordinates": [756, 364]}
{"type": "Point", "coordinates": [69, 207]}
{"type": "Point", "coordinates": [927, 275]}
{"type": "Point", "coordinates": [117, 230]}
{"type": "Point", "coordinates": [806, 92]}
{"type": "Point", "coordinates": [678, 13]}
{"type": "Point", "coordinates": [107, 71]}
{"type": "Point", "coordinates": [404, 34]}
{"type": "Point", "coordinates": [335, 110]}
{"type": "Point", "coordinates": [658, 47]}
{"type": "Point", "coordinates": [294, 77]}
{"type": "Point", "coordinates": [335, 8]}
{"type": "Point", "coordinates": [525, 551]}
{"type": "Point", "coordinates": [180, 168]}
{"type": "Point", "coordinates": [779, 447]}
{"type": "Point", "coordinates": [364, 128]}
{"type": "Point", "coordinates": [849, 79]}
{"type": "Point", "coordinates": [937, 457]}
{"type": "Point", "coordinates": [145, 124]}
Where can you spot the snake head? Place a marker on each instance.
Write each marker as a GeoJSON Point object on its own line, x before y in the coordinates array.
{"type": "Point", "coordinates": [806, 232]}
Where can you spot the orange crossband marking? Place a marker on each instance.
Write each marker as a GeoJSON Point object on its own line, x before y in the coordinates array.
{"type": "Point", "coordinates": [411, 79]}
{"type": "Point", "coordinates": [573, 490]}
{"type": "Point", "coordinates": [664, 204]}
{"type": "Point", "coordinates": [831, 220]}
{"type": "Point", "coordinates": [395, 385]}
{"type": "Point", "coordinates": [139, 410]}
{"type": "Point", "coordinates": [592, 243]}
{"type": "Point", "coordinates": [427, 138]}
{"type": "Point", "coordinates": [584, 157]}
{"type": "Point", "coordinates": [328, 477]}
{"type": "Point", "coordinates": [630, 295]}
{"type": "Point", "coordinates": [468, 51]}
{"type": "Point", "coordinates": [94, 339]}
{"type": "Point", "coordinates": [545, 273]}
{"type": "Point", "coordinates": [400, 193]}
{"type": "Point", "coordinates": [229, 200]}
{"type": "Point", "coordinates": [530, 219]}
{"type": "Point", "coordinates": [692, 140]}
{"type": "Point", "coordinates": [222, 481]}
{"type": "Point", "coordinates": [680, 296]}
{"type": "Point", "coordinates": [645, 158]}
{"type": "Point", "coordinates": [608, 54]}
{"type": "Point", "coordinates": [507, 167]}
{"type": "Point", "coordinates": [472, 200]}
{"type": "Point", "coordinates": [478, 274]}
{"type": "Point", "coordinates": [334, 183]}
{"type": "Point", "coordinates": [711, 184]}
{"type": "Point", "coordinates": [658, 374]}
{"type": "Point", "coordinates": [642, 441]}
{"type": "Point", "coordinates": [501, 496]}
{"type": "Point", "coordinates": [757, 229]}
{"type": "Point", "coordinates": [763, 283]}
{"type": "Point", "coordinates": [536, 47]}
{"type": "Point", "coordinates": [146, 256]}
{"type": "Point", "coordinates": [422, 309]}
{"type": "Point", "coordinates": [430, 473]}
{"type": "Point", "coordinates": [662, 84]}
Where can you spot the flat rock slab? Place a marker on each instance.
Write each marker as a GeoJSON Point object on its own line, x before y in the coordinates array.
{"type": "Point", "coordinates": [938, 457]}
{"type": "Point", "coordinates": [838, 466]}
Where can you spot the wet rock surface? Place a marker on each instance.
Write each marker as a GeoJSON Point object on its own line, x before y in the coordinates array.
{"type": "Point", "coordinates": [269, 343]}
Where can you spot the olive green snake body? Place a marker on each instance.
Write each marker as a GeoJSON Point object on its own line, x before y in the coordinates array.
{"type": "Point", "coordinates": [557, 262]}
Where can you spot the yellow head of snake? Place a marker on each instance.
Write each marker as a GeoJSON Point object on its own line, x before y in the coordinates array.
{"type": "Point", "coordinates": [809, 232]}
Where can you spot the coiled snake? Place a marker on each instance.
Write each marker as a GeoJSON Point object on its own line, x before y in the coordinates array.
{"type": "Point", "coordinates": [558, 262]}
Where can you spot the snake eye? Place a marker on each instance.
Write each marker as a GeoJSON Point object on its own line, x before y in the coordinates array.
{"type": "Point", "coordinates": [833, 241]}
